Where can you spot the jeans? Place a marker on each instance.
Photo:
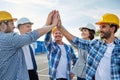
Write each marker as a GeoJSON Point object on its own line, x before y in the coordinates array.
{"type": "Point", "coordinates": [78, 78]}
{"type": "Point", "coordinates": [33, 75]}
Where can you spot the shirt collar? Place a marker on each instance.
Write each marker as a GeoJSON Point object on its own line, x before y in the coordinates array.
{"type": "Point", "coordinates": [117, 41]}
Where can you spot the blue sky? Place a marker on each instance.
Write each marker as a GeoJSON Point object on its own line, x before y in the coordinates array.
{"type": "Point", "coordinates": [74, 13]}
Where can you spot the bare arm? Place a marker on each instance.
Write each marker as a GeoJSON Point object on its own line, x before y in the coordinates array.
{"type": "Point", "coordinates": [44, 30]}
{"type": "Point", "coordinates": [64, 31]}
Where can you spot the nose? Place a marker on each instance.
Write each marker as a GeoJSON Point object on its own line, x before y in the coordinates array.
{"type": "Point", "coordinates": [30, 29]}
{"type": "Point", "coordinates": [13, 27]}
{"type": "Point", "coordinates": [101, 29]}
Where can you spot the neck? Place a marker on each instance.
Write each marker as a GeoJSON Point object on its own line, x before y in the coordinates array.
{"type": "Point", "coordinates": [110, 40]}
{"type": "Point", "coordinates": [59, 42]}
{"type": "Point", "coordinates": [86, 38]}
{"type": "Point", "coordinates": [22, 32]}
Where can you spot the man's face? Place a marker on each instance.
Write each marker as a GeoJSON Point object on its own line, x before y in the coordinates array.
{"type": "Point", "coordinates": [25, 28]}
{"type": "Point", "coordinates": [105, 31]}
{"type": "Point", "coordinates": [9, 27]}
{"type": "Point", "coordinates": [58, 35]}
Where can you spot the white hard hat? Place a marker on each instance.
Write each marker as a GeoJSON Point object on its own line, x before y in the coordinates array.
{"type": "Point", "coordinates": [89, 26]}
{"type": "Point", "coordinates": [23, 20]}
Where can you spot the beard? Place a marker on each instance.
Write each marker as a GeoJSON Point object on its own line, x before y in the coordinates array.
{"type": "Point", "coordinates": [8, 29]}
{"type": "Point", "coordinates": [105, 35]}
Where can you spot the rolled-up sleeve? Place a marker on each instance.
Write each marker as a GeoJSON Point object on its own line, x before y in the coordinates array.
{"type": "Point", "coordinates": [80, 43]}
{"type": "Point", "coordinates": [48, 41]}
{"type": "Point", "coordinates": [25, 39]}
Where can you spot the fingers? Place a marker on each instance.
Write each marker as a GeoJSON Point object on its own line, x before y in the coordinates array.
{"type": "Point", "coordinates": [59, 22]}
{"type": "Point", "coordinates": [55, 18]}
{"type": "Point", "coordinates": [52, 13]}
{"type": "Point", "coordinates": [50, 17]}
{"type": "Point", "coordinates": [55, 14]}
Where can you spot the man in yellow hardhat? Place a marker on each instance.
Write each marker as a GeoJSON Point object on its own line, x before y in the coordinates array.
{"type": "Point", "coordinates": [60, 56]}
{"type": "Point", "coordinates": [12, 61]}
{"type": "Point", "coordinates": [103, 61]}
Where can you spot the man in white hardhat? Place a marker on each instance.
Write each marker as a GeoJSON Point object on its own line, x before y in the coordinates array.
{"type": "Point", "coordinates": [23, 20]}
{"type": "Point", "coordinates": [24, 26]}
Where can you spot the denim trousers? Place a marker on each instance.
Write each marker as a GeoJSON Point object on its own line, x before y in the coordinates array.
{"type": "Point", "coordinates": [78, 78]}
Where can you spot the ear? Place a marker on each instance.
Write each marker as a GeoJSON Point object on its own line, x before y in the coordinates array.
{"type": "Point", "coordinates": [3, 27]}
{"type": "Point", "coordinates": [113, 29]}
{"type": "Point", "coordinates": [21, 27]}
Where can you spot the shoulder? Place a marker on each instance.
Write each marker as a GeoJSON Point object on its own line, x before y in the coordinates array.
{"type": "Point", "coordinates": [117, 41]}
{"type": "Point", "coordinates": [9, 36]}
{"type": "Point", "coordinates": [68, 47]}
{"type": "Point", "coordinates": [96, 41]}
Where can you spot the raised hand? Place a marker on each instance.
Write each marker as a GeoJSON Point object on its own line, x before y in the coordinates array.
{"type": "Point", "coordinates": [55, 18]}
{"type": "Point", "coordinates": [50, 17]}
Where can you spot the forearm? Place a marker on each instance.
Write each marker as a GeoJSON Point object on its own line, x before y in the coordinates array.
{"type": "Point", "coordinates": [66, 33]}
{"type": "Point", "coordinates": [44, 30]}
{"type": "Point", "coordinates": [24, 39]}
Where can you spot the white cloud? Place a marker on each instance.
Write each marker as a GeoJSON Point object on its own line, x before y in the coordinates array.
{"type": "Point", "coordinates": [73, 12]}
{"type": "Point", "coordinates": [39, 2]}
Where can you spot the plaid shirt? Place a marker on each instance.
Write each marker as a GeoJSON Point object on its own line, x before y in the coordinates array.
{"type": "Point", "coordinates": [12, 60]}
{"type": "Point", "coordinates": [54, 54]}
{"type": "Point", "coordinates": [96, 50]}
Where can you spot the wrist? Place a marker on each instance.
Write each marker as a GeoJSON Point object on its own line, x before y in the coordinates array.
{"type": "Point", "coordinates": [52, 25]}
{"type": "Point", "coordinates": [60, 27]}
{"type": "Point", "coordinates": [46, 24]}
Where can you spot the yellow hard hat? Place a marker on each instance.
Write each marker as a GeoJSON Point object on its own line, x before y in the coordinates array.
{"type": "Point", "coordinates": [54, 30]}
{"type": "Point", "coordinates": [6, 16]}
{"type": "Point", "coordinates": [109, 18]}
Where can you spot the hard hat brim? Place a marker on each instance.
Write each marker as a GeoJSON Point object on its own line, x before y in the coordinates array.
{"type": "Point", "coordinates": [13, 19]}
{"type": "Point", "coordinates": [82, 28]}
{"type": "Point", "coordinates": [31, 23]}
{"type": "Point", "coordinates": [99, 23]}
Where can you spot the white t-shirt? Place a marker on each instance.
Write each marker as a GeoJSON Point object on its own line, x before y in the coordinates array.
{"type": "Point", "coordinates": [104, 68]}
{"type": "Point", "coordinates": [27, 55]}
{"type": "Point", "coordinates": [62, 66]}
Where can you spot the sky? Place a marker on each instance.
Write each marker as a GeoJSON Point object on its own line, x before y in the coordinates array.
{"type": "Point", "coordinates": [74, 13]}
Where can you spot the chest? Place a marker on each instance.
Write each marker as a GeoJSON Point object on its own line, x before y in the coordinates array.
{"type": "Point", "coordinates": [103, 51]}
